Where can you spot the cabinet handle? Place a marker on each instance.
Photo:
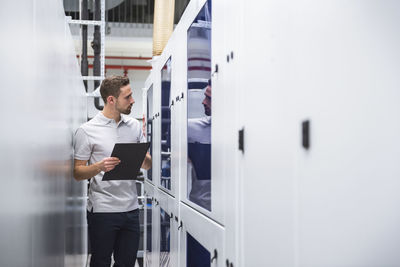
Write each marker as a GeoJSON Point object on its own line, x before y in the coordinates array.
{"type": "Point", "coordinates": [227, 263]}
{"type": "Point", "coordinates": [215, 70]}
{"type": "Point", "coordinates": [305, 132]}
{"type": "Point", "coordinates": [215, 256]}
{"type": "Point", "coordinates": [180, 225]}
{"type": "Point", "coordinates": [241, 140]}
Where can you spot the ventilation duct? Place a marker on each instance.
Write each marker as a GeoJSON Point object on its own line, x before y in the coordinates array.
{"type": "Point", "coordinates": [163, 24]}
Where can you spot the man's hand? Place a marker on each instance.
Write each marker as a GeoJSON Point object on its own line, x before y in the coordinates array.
{"type": "Point", "coordinates": [107, 164]}
{"type": "Point", "coordinates": [82, 171]}
{"type": "Point", "coordinates": [147, 162]}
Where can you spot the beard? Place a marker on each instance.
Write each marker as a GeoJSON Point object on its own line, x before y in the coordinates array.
{"type": "Point", "coordinates": [125, 111]}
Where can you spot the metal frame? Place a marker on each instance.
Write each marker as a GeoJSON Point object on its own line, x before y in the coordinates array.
{"type": "Point", "coordinates": [102, 25]}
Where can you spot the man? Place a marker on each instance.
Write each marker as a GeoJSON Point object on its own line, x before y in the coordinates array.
{"type": "Point", "coordinates": [199, 153]}
{"type": "Point", "coordinates": [113, 215]}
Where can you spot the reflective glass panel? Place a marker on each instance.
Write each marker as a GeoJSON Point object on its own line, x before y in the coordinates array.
{"type": "Point", "coordinates": [149, 211]}
{"type": "Point", "coordinates": [166, 126]}
{"type": "Point", "coordinates": [149, 128]}
{"type": "Point", "coordinates": [199, 109]}
{"type": "Point", "coordinates": [196, 254]}
{"type": "Point", "coordinates": [164, 238]}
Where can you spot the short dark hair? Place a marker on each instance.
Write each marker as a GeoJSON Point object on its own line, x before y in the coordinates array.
{"type": "Point", "coordinates": [112, 85]}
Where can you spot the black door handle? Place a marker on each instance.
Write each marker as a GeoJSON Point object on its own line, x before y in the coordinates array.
{"type": "Point", "coordinates": [215, 255]}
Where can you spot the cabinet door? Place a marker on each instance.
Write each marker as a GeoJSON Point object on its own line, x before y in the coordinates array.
{"type": "Point", "coordinates": [201, 187]}
{"type": "Point", "coordinates": [168, 238]}
{"type": "Point", "coordinates": [148, 257]}
{"type": "Point", "coordinates": [156, 124]}
{"type": "Point", "coordinates": [176, 99]}
{"type": "Point", "coordinates": [226, 118]}
{"type": "Point", "coordinates": [326, 203]}
{"type": "Point", "coordinates": [201, 239]}
{"type": "Point", "coordinates": [165, 145]}
{"type": "Point", "coordinates": [149, 116]}
{"type": "Point", "coordinates": [267, 104]}
{"type": "Point", "coordinates": [348, 178]}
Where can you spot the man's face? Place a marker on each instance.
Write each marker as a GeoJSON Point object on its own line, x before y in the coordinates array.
{"type": "Point", "coordinates": [207, 101]}
{"type": "Point", "coordinates": [125, 100]}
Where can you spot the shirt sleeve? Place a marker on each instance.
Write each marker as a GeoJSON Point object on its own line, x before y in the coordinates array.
{"type": "Point", "coordinates": [82, 150]}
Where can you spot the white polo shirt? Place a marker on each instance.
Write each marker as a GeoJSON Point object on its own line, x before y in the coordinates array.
{"type": "Point", "coordinates": [95, 141]}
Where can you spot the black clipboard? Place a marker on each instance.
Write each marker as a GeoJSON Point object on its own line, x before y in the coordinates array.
{"type": "Point", "coordinates": [131, 156]}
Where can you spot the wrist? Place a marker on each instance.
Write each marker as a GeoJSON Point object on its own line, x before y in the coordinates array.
{"type": "Point", "coordinates": [98, 166]}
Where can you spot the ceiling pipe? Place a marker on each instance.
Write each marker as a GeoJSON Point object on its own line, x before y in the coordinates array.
{"type": "Point", "coordinates": [96, 45]}
{"type": "Point", "coordinates": [84, 61]}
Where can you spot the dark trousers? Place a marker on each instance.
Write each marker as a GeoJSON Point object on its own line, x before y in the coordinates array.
{"type": "Point", "coordinates": [117, 233]}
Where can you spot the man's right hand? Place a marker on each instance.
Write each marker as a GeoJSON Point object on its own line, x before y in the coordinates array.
{"type": "Point", "coordinates": [82, 171]}
{"type": "Point", "coordinates": [107, 164]}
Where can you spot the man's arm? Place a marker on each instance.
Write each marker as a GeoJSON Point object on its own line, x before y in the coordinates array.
{"type": "Point", "coordinates": [84, 172]}
{"type": "Point", "coordinates": [147, 162]}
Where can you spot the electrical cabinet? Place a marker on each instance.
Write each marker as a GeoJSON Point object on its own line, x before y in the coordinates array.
{"type": "Point", "coordinates": [319, 133]}
{"type": "Point", "coordinates": [185, 172]}
{"type": "Point", "coordinates": [302, 123]}
{"type": "Point", "coordinates": [161, 238]}
{"type": "Point", "coordinates": [201, 239]}
{"type": "Point", "coordinates": [149, 256]}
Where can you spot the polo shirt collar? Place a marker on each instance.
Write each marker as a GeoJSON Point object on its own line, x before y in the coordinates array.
{"type": "Point", "coordinates": [124, 118]}
{"type": "Point", "coordinates": [106, 120]}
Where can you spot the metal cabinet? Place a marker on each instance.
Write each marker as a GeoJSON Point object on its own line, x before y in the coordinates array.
{"type": "Point", "coordinates": [202, 185]}
{"type": "Point", "coordinates": [151, 115]}
{"type": "Point", "coordinates": [149, 118]}
{"type": "Point", "coordinates": [167, 210]}
{"type": "Point", "coordinates": [228, 125]}
{"type": "Point", "coordinates": [161, 83]}
{"type": "Point", "coordinates": [161, 237]}
{"type": "Point", "coordinates": [150, 235]}
{"type": "Point", "coordinates": [201, 240]}
{"type": "Point", "coordinates": [182, 93]}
